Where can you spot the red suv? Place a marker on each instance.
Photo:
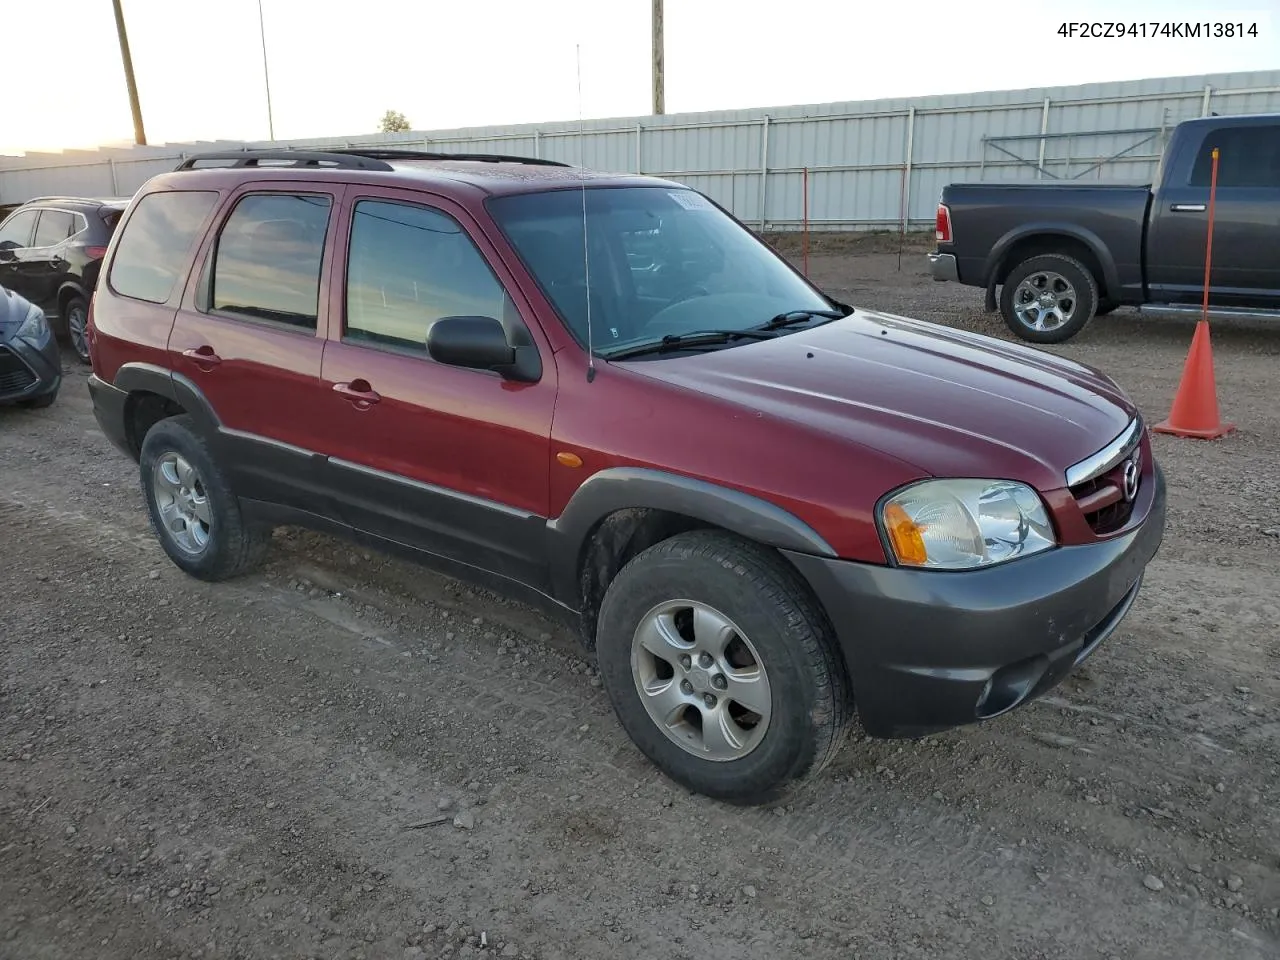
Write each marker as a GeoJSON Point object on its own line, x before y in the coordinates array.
{"type": "Point", "coordinates": [763, 509]}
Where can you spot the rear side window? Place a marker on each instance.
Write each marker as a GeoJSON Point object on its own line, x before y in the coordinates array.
{"type": "Point", "coordinates": [267, 264]}
{"type": "Point", "coordinates": [408, 267]}
{"type": "Point", "coordinates": [53, 228]}
{"type": "Point", "coordinates": [16, 231]}
{"type": "Point", "coordinates": [155, 243]}
{"type": "Point", "coordinates": [1247, 157]}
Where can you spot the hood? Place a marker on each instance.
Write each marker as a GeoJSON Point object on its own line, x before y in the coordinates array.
{"type": "Point", "coordinates": [948, 402]}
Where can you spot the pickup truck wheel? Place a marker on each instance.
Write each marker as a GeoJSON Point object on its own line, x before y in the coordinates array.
{"type": "Point", "coordinates": [195, 515]}
{"type": "Point", "coordinates": [1049, 298]}
{"type": "Point", "coordinates": [721, 667]}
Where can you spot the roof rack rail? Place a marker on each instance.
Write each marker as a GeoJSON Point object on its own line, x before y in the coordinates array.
{"type": "Point", "coordinates": [295, 158]}
{"type": "Point", "coordinates": [378, 153]}
{"type": "Point", "coordinates": [52, 198]}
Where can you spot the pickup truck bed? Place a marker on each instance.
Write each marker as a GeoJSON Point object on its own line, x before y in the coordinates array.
{"type": "Point", "coordinates": [1065, 252]}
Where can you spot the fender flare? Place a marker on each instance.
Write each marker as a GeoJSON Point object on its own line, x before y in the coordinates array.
{"type": "Point", "coordinates": [144, 377]}
{"type": "Point", "coordinates": [999, 250]}
{"type": "Point", "coordinates": [150, 378]}
{"type": "Point", "coordinates": [70, 287]}
{"type": "Point", "coordinates": [623, 488]}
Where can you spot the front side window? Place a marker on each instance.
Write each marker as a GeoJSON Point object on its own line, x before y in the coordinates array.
{"type": "Point", "coordinates": [54, 227]}
{"type": "Point", "coordinates": [660, 262]}
{"type": "Point", "coordinates": [1247, 157]}
{"type": "Point", "coordinates": [157, 239]}
{"type": "Point", "coordinates": [267, 262]}
{"type": "Point", "coordinates": [407, 267]}
{"type": "Point", "coordinates": [16, 231]}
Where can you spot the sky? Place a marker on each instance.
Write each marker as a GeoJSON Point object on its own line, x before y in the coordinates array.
{"type": "Point", "coordinates": [336, 67]}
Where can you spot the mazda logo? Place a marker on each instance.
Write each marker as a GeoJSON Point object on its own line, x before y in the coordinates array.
{"type": "Point", "coordinates": [1130, 480]}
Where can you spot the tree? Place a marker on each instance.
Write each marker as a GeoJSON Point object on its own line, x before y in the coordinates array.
{"type": "Point", "coordinates": [393, 121]}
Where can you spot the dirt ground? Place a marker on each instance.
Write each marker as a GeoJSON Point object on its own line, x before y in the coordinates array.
{"type": "Point", "coordinates": [348, 757]}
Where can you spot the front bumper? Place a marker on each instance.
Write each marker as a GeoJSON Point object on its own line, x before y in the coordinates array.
{"type": "Point", "coordinates": [930, 650]}
{"type": "Point", "coordinates": [29, 371]}
{"type": "Point", "coordinates": [943, 267]}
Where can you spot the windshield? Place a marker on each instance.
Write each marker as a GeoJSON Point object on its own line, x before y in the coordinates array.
{"type": "Point", "coordinates": [662, 263]}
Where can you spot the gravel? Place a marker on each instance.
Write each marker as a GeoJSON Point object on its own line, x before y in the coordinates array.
{"type": "Point", "coordinates": [159, 715]}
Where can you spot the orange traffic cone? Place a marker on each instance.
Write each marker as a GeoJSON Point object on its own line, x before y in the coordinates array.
{"type": "Point", "coordinates": [1195, 407]}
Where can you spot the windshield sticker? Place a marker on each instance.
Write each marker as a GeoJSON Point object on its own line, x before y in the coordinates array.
{"type": "Point", "coordinates": [690, 200]}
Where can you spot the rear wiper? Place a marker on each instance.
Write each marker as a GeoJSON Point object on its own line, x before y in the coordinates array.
{"type": "Point", "coordinates": [792, 317]}
{"type": "Point", "coordinates": [681, 341]}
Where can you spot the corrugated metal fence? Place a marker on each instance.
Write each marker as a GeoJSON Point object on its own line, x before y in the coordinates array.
{"type": "Point", "coordinates": [871, 165]}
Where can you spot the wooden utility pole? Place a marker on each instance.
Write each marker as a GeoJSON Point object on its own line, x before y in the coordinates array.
{"type": "Point", "coordinates": [659, 98]}
{"type": "Point", "coordinates": [139, 135]}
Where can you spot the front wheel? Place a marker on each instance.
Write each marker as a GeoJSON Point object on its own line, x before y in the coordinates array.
{"type": "Point", "coordinates": [1048, 298]}
{"type": "Point", "coordinates": [722, 668]}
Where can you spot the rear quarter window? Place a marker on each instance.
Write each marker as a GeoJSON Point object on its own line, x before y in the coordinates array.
{"type": "Point", "coordinates": [156, 241]}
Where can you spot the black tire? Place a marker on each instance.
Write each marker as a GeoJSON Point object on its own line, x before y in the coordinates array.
{"type": "Point", "coordinates": [39, 403]}
{"type": "Point", "coordinates": [769, 603]}
{"type": "Point", "coordinates": [1075, 273]}
{"type": "Point", "coordinates": [74, 308]}
{"type": "Point", "coordinates": [234, 546]}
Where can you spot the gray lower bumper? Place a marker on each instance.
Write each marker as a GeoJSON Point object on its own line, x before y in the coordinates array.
{"type": "Point", "coordinates": [943, 267]}
{"type": "Point", "coordinates": [927, 650]}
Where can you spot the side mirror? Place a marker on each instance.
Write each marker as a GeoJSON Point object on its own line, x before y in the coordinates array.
{"type": "Point", "coordinates": [480, 343]}
{"type": "Point", "coordinates": [6, 250]}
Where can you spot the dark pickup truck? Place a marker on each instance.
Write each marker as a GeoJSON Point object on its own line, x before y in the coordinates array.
{"type": "Point", "coordinates": [1063, 253]}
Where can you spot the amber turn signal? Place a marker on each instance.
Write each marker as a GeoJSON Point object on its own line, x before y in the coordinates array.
{"type": "Point", "coordinates": [566, 459]}
{"type": "Point", "coordinates": [905, 535]}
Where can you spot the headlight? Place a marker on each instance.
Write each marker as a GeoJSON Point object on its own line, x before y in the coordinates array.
{"type": "Point", "coordinates": [35, 327]}
{"type": "Point", "coordinates": [962, 524]}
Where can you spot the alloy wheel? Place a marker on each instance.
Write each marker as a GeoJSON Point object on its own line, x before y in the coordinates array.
{"type": "Point", "coordinates": [701, 680]}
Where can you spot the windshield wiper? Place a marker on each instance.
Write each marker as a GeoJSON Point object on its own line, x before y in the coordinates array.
{"type": "Point", "coordinates": [682, 341]}
{"type": "Point", "coordinates": [792, 317]}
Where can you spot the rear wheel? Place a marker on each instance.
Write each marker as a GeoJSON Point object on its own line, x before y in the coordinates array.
{"type": "Point", "coordinates": [1048, 298]}
{"type": "Point", "coordinates": [76, 314]}
{"type": "Point", "coordinates": [193, 511]}
{"type": "Point", "coordinates": [722, 668]}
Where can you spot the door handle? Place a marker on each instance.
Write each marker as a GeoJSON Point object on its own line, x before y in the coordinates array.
{"type": "Point", "coordinates": [203, 356]}
{"type": "Point", "coordinates": [361, 395]}
{"type": "Point", "coordinates": [1187, 208]}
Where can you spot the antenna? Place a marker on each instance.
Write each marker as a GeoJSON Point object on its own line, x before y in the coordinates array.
{"type": "Point", "coordinates": [586, 246]}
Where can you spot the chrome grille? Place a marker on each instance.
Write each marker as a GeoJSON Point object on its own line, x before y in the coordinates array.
{"type": "Point", "coordinates": [1098, 482]}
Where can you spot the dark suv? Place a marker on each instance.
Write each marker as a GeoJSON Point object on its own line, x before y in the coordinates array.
{"type": "Point", "coordinates": [603, 394]}
{"type": "Point", "coordinates": [50, 252]}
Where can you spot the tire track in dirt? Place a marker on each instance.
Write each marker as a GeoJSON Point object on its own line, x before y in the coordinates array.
{"type": "Point", "coordinates": [848, 845]}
